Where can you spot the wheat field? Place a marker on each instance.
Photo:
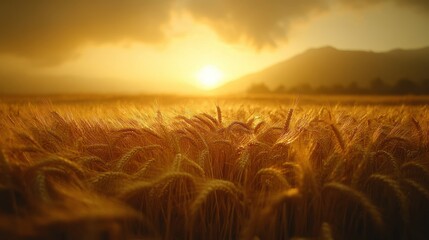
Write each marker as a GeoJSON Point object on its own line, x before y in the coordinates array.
{"type": "Point", "coordinates": [213, 170]}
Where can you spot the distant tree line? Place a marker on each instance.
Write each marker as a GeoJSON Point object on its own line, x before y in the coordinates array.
{"type": "Point", "coordinates": [376, 86]}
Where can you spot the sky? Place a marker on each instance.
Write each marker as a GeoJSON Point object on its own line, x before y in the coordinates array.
{"type": "Point", "coordinates": [174, 46]}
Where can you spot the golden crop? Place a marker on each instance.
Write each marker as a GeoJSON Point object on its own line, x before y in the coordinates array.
{"type": "Point", "coordinates": [197, 171]}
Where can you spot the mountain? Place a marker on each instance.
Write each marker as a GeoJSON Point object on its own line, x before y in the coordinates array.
{"type": "Point", "coordinates": [328, 66]}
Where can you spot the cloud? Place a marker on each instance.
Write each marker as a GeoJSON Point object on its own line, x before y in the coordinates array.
{"type": "Point", "coordinates": [51, 31]}
{"type": "Point", "coordinates": [264, 22]}
{"type": "Point", "coordinates": [417, 4]}
{"type": "Point", "coordinates": [259, 22]}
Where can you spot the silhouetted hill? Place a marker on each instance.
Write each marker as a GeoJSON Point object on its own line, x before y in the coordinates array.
{"type": "Point", "coordinates": [328, 66]}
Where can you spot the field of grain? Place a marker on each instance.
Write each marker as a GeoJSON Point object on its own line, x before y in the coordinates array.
{"type": "Point", "coordinates": [213, 170]}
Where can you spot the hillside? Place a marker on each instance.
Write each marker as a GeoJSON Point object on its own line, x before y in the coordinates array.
{"type": "Point", "coordinates": [329, 66]}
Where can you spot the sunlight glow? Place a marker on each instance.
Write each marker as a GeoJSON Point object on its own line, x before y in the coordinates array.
{"type": "Point", "coordinates": [209, 76]}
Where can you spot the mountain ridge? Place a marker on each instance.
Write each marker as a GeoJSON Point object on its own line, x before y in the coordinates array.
{"type": "Point", "coordinates": [328, 65]}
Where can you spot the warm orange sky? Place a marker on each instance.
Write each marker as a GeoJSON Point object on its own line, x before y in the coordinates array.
{"type": "Point", "coordinates": [162, 45]}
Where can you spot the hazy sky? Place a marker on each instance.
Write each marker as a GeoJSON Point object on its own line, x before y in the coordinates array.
{"type": "Point", "coordinates": [161, 45]}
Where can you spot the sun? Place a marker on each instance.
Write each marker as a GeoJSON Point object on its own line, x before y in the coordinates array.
{"type": "Point", "coordinates": [209, 76]}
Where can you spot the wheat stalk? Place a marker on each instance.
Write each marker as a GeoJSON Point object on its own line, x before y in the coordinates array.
{"type": "Point", "coordinates": [57, 161]}
{"type": "Point", "coordinates": [206, 122]}
{"type": "Point", "coordinates": [338, 136]}
{"type": "Point", "coordinates": [143, 171]}
{"type": "Point", "coordinates": [417, 171]}
{"type": "Point", "coordinates": [326, 232]}
{"type": "Point", "coordinates": [358, 198]}
{"type": "Point", "coordinates": [258, 127]}
{"type": "Point", "coordinates": [130, 154]}
{"type": "Point", "coordinates": [212, 186]}
{"type": "Point", "coordinates": [419, 130]}
{"type": "Point", "coordinates": [288, 120]}
{"type": "Point", "coordinates": [275, 174]}
{"type": "Point", "coordinates": [40, 186]}
{"type": "Point", "coordinates": [393, 186]}
{"type": "Point", "coordinates": [219, 115]}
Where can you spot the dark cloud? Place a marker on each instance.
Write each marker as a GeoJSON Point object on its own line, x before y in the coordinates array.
{"type": "Point", "coordinates": [264, 22]}
{"type": "Point", "coordinates": [50, 31]}
{"type": "Point", "coordinates": [361, 3]}
{"type": "Point", "coordinates": [259, 22]}
{"type": "Point", "coordinates": [417, 4]}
